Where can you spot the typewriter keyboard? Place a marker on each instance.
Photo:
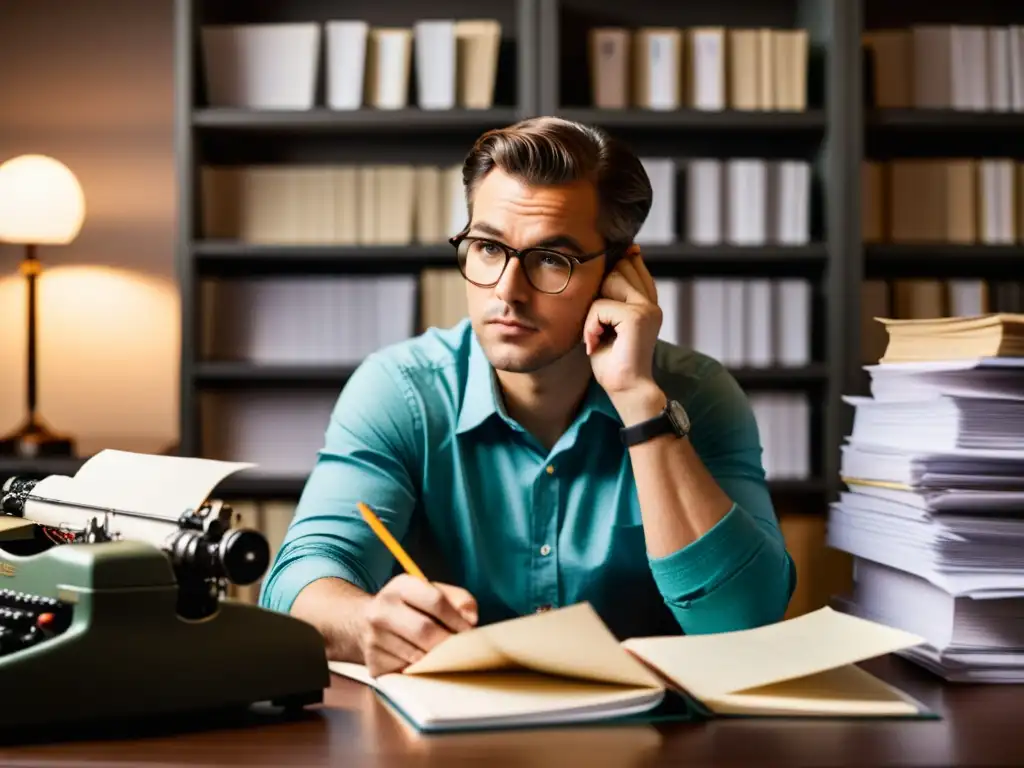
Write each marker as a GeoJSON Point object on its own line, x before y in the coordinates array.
{"type": "Point", "coordinates": [28, 619]}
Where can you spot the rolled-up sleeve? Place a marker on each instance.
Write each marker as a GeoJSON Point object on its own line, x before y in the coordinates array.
{"type": "Point", "coordinates": [738, 574]}
{"type": "Point", "coordinates": [368, 454]}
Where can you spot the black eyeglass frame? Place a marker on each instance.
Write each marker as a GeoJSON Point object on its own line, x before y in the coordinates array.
{"type": "Point", "coordinates": [511, 253]}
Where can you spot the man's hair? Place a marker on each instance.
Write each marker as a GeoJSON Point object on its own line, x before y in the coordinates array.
{"type": "Point", "coordinates": [550, 150]}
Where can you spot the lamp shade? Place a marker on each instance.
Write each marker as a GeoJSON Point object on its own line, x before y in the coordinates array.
{"type": "Point", "coordinates": [41, 201]}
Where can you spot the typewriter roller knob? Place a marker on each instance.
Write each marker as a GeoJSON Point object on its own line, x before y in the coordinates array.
{"type": "Point", "coordinates": [245, 555]}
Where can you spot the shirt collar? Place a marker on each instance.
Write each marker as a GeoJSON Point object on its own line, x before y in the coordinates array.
{"type": "Point", "coordinates": [482, 396]}
{"type": "Point", "coordinates": [597, 400]}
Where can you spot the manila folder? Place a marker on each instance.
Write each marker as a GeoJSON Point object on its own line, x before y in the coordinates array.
{"type": "Point", "coordinates": [562, 666]}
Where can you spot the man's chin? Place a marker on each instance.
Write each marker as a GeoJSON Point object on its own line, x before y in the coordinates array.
{"type": "Point", "coordinates": [515, 357]}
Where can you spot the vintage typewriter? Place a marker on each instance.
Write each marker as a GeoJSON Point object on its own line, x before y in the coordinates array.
{"type": "Point", "coordinates": [110, 614]}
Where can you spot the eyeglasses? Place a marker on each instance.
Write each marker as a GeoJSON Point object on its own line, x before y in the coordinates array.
{"type": "Point", "coordinates": [482, 262]}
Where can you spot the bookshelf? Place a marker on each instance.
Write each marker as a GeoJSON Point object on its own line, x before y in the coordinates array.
{"type": "Point", "coordinates": [542, 69]}
{"type": "Point", "coordinates": [820, 133]}
{"type": "Point", "coordinates": [967, 113]}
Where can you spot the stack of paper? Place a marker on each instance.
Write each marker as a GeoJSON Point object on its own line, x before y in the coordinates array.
{"type": "Point", "coordinates": [934, 511]}
{"type": "Point", "coordinates": [968, 639]}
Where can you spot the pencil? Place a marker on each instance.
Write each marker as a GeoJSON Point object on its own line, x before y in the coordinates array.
{"type": "Point", "coordinates": [390, 542]}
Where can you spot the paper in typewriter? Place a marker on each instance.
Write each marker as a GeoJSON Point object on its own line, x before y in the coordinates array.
{"type": "Point", "coordinates": [165, 486]}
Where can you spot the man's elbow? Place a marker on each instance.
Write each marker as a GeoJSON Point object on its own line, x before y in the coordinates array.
{"type": "Point", "coordinates": [756, 594]}
{"type": "Point", "coordinates": [299, 566]}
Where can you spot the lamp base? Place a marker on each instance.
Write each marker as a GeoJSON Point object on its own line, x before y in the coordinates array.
{"type": "Point", "coordinates": [33, 440]}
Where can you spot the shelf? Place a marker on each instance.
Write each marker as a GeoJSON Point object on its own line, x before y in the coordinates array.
{"type": "Point", "coordinates": [945, 121]}
{"type": "Point", "coordinates": [230, 257]}
{"type": "Point", "coordinates": [779, 377]}
{"type": "Point", "coordinates": [677, 259]}
{"type": "Point", "coordinates": [41, 467]}
{"type": "Point", "coordinates": [242, 374]}
{"type": "Point", "coordinates": [257, 486]}
{"type": "Point", "coordinates": [807, 487]}
{"type": "Point", "coordinates": [412, 120]}
{"type": "Point", "coordinates": [727, 120]}
{"type": "Point", "coordinates": [220, 374]}
{"type": "Point", "coordinates": [356, 121]}
{"type": "Point", "coordinates": [942, 260]}
{"type": "Point", "coordinates": [751, 254]}
{"type": "Point", "coordinates": [686, 260]}
{"type": "Point", "coordinates": [922, 133]}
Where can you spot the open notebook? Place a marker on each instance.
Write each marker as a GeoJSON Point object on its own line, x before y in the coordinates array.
{"type": "Point", "coordinates": [566, 666]}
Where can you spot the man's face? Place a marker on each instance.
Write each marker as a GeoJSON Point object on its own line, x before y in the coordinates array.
{"type": "Point", "coordinates": [521, 329]}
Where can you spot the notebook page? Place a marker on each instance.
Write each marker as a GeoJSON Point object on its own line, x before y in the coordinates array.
{"type": "Point", "coordinates": [847, 690]}
{"type": "Point", "coordinates": [572, 642]}
{"type": "Point", "coordinates": [467, 651]}
{"type": "Point", "coordinates": [730, 662]}
{"type": "Point", "coordinates": [501, 698]}
{"type": "Point", "coordinates": [632, 747]}
{"type": "Point", "coordinates": [158, 485]}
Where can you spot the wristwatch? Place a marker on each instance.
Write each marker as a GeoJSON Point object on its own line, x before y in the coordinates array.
{"type": "Point", "coordinates": [672, 420]}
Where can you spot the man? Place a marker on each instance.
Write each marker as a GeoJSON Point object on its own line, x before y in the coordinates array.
{"type": "Point", "coordinates": [549, 449]}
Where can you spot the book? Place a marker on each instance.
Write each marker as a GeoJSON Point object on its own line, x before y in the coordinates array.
{"type": "Point", "coordinates": [954, 338]}
{"type": "Point", "coordinates": [565, 666]}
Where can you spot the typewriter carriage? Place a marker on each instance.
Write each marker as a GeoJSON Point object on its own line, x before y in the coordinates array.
{"type": "Point", "coordinates": [205, 551]}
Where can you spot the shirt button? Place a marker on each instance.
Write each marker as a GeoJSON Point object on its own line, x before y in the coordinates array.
{"type": "Point", "coordinates": [551, 469]}
{"type": "Point", "coordinates": [545, 550]}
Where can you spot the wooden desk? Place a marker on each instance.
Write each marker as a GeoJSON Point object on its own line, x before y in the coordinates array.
{"type": "Point", "coordinates": [982, 726]}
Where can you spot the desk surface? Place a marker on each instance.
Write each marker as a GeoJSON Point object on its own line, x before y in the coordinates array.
{"type": "Point", "coordinates": [981, 725]}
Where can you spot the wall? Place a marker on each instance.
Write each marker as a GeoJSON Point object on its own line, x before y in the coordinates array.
{"type": "Point", "coordinates": [821, 572]}
{"type": "Point", "coordinates": [90, 82]}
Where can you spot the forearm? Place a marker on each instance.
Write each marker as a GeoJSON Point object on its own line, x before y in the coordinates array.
{"type": "Point", "coordinates": [336, 608]}
{"type": "Point", "coordinates": [679, 499]}
{"type": "Point", "coordinates": [716, 556]}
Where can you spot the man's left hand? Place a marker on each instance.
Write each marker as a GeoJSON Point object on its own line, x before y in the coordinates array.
{"type": "Point", "coordinates": [620, 333]}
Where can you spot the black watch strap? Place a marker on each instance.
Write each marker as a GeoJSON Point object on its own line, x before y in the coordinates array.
{"type": "Point", "coordinates": [672, 420]}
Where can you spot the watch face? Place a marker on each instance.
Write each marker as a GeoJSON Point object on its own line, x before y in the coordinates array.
{"type": "Point", "coordinates": [679, 417]}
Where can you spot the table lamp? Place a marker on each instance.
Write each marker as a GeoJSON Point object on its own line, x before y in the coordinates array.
{"type": "Point", "coordinates": [41, 203]}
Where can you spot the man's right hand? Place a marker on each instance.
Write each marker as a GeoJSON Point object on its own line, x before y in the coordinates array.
{"type": "Point", "coordinates": [408, 617]}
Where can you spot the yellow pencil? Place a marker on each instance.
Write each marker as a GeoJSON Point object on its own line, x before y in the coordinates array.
{"type": "Point", "coordinates": [390, 542]}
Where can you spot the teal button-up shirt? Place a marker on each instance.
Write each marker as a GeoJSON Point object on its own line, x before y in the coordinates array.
{"type": "Point", "coordinates": [420, 434]}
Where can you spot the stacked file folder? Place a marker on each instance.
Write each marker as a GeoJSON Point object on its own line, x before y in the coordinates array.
{"type": "Point", "coordinates": [933, 513]}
